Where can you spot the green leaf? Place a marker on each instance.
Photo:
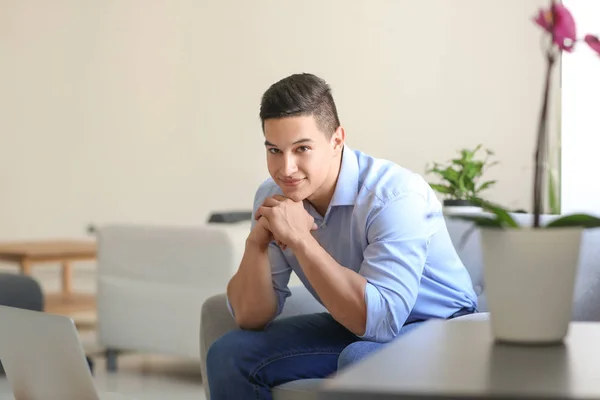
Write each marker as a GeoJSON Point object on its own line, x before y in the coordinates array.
{"type": "Point", "coordinates": [466, 155]}
{"type": "Point", "coordinates": [574, 220]}
{"type": "Point", "coordinates": [450, 175]}
{"type": "Point", "coordinates": [474, 169]}
{"type": "Point", "coordinates": [441, 188]}
{"type": "Point", "coordinates": [479, 220]}
{"type": "Point", "coordinates": [501, 214]}
{"type": "Point", "coordinates": [462, 174]}
{"type": "Point", "coordinates": [485, 185]}
{"type": "Point", "coordinates": [434, 168]}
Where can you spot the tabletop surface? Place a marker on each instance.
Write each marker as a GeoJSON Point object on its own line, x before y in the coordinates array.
{"type": "Point", "coordinates": [46, 248]}
{"type": "Point", "coordinates": [457, 359]}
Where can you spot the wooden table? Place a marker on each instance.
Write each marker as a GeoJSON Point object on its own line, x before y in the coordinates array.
{"type": "Point", "coordinates": [27, 253]}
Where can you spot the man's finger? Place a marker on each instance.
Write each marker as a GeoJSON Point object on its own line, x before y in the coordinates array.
{"type": "Point", "coordinates": [263, 211]}
{"type": "Point", "coordinates": [279, 197]}
{"type": "Point", "coordinates": [265, 223]}
{"type": "Point", "coordinates": [270, 202]}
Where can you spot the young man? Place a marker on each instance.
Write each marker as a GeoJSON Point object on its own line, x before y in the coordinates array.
{"type": "Point", "coordinates": [355, 229]}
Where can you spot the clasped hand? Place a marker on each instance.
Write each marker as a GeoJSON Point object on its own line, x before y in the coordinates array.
{"type": "Point", "coordinates": [286, 220]}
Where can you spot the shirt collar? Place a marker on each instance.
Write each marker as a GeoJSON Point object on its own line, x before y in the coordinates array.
{"type": "Point", "coordinates": [346, 188]}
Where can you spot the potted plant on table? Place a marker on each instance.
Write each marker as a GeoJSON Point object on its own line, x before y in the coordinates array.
{"type": "Point", "coordinates": [530, 271]}
{"type": "Point", "coordinates": [460, 181]}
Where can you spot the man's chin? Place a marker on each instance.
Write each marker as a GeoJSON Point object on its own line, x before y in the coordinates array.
{"type": "Point", "coordinates": [294, 195]}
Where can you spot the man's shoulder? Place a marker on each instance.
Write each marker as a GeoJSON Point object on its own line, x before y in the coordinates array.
{"type": "Point", "coordinates": [384, 180]}
{"type": "Point", "coordinates": [266, 189]}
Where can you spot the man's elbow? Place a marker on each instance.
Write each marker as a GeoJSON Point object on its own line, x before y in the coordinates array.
{"type": "Point", "coordinates": [249, 325]}
{"type": "Point", "coordinates": [358, 330]}
{"type": "Point", "coordinates": [254, 321]}
{"type": "Point", "coordinates": [355, 322]}
{"type": "Point", "coordinates": [358, 326]}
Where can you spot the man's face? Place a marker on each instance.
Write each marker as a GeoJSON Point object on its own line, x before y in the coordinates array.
{"type": "Point", "coordinates": [299, 155]}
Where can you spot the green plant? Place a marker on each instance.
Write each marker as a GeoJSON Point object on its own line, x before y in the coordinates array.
{"type": "Point", "coordinates": [554, 165]}
{"type": "Point", "coordinates": [553, 191]}
{"type": "Point", "coordinates": [559, 26]}
{"type": "Point", "coordinates": [461, 176]}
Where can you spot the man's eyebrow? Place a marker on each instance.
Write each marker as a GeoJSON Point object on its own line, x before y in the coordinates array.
{"type": "Point", "coordinates": [267, 143]}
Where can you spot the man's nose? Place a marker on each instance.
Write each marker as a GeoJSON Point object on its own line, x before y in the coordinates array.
{"type": "Point", "coordinates": [289, 166]}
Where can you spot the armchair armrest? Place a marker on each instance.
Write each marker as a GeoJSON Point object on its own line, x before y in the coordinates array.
{"type": "Point", "coordinates": [215, 319]}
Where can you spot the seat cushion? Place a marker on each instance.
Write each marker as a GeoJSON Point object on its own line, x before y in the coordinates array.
{"type": "Point", "coordinates": [303, 389]}
{"type": "Point", "coordinates": [480, 316]}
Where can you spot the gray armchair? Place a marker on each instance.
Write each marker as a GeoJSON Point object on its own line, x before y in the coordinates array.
{"type": "Point", "coordinates": [21, 292]}
{"type": "Point", "coordinates": [216, 320]}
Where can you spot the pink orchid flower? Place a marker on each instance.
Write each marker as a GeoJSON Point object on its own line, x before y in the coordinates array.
{"type": "Point", "coordinates": [593, 42]}
{"type": "Point", "coordinates": [559, 19]}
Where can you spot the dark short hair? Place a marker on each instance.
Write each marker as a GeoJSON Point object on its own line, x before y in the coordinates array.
{"type": "Point", "coordinates": [300, 95]}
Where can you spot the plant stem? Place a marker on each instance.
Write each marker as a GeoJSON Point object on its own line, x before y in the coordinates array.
{"type": "Point", "coordinates": [540, 151]}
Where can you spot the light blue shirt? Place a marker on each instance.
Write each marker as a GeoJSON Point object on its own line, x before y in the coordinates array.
{"type": "Point", "coordinates": [378, 224]}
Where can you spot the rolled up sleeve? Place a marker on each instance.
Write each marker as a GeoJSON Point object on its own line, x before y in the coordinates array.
{"type": "Point", "coordinates": [398, 236]}
{"type": "Point", "coordinates": [280, 274]}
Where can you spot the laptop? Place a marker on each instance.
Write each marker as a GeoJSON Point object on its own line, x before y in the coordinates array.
{"type": "Point", "coordinates": [43, 357]}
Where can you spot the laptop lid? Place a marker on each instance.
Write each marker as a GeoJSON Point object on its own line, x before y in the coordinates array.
{"type": "Point", "coordinates": [43, 357]}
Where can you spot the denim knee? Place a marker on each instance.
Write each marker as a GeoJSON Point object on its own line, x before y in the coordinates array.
{"type": "Point", "coordinates": [222, 358]}
{"type": "Point", "coordinates": [356, 351]}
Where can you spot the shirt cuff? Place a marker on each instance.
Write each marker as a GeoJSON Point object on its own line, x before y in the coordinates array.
{"type": "Point", "coordinates": [377, 325]}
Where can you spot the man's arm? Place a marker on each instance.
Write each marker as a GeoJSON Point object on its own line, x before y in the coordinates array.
{"type": "Point", "coordinates": [374, 303]}
{"type": "Point", "coordinates": [257, 292]}
{"type": "Point", "coordinates": [341, 290]}
{"type": "Point", "coordinates": [250, 291]}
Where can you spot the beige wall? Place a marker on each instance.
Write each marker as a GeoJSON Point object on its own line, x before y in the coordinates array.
{"type": "Point", "coordinates": [128, 111]}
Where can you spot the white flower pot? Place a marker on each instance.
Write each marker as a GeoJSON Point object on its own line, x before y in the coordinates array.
{"type": "Point", "coordinates": [462, 210]}
{"type": "Point", "coordinates": [530, 277]}
{"type": "Point", "coordinates": [460, 207]}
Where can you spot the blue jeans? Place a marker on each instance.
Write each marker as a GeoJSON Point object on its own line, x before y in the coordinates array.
{"type": "Point", "coordinates": [246, 364]}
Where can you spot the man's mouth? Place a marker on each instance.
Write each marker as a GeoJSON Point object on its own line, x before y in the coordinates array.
{"type": "Point", "coordinates": [291, 182]}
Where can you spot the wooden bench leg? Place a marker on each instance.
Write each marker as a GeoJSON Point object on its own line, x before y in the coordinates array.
{"type": "Point", "coordinates": [66, 277]}
{"type": "Point", "coordinates": [25, 267]}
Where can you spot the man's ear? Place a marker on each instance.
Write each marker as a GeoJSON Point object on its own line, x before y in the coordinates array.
{"type": "Point", "coordinates": [337, 140]}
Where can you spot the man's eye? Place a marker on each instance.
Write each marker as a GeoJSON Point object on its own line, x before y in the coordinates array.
{"type": "Point", "coordinates": [273, 150]}
{"type": "Point", "coordinates": [303, 149]}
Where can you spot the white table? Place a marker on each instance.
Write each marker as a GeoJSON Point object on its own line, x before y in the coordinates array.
{"type": "Point", "coordinates": [459, 359]}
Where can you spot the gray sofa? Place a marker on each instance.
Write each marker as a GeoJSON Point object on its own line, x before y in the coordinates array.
{"type": "Point", "coordinates": [216, 320]}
